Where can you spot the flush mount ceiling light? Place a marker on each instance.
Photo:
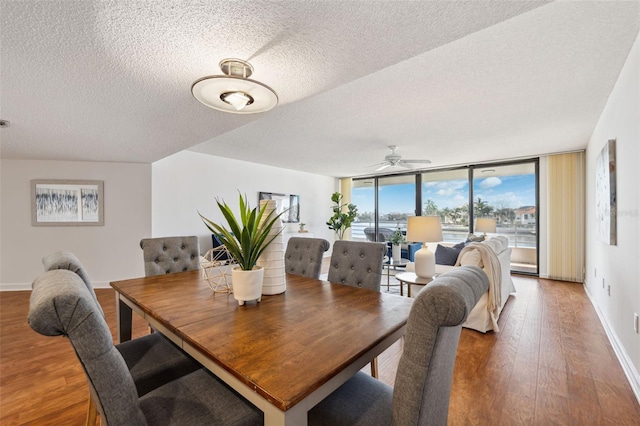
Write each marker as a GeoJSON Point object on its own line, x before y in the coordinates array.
{"type": "Point", "coordinates": [234, 92]}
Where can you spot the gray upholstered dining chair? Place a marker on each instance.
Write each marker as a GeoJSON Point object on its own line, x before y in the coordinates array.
{"type": "Point", "coordinates": [304, 256]}
{"type": "Point", "coordinates": [166, 255]}
{"type": "Point", "coordinates": [62, 305]}
{"type": "Point", "coordinates": [152, 360]}
{"type": "Point", "coordinates": [425, 371]}
{"type": "Point", "coordinates": [358, 264]}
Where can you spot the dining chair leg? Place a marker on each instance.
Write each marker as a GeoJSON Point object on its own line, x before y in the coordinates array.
{"type": "Point", "coordinates": [374, 367]}
{"type": "Point", "coordinates": [92, 413]}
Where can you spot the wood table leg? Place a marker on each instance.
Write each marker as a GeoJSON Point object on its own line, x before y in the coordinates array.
{"type": "Point", "coordinates": [125, 320]}
{"type": "Point", "coordinates": [92, 413]}
{"type": "Point", "coordinates": [374, 367]}
{"type": "Point", "coordinates": [388, 272]}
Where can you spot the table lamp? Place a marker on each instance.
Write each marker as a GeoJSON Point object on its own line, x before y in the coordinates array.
{"type": "Point", "coordinates": [424, 229]}
{"type": "Point", "coordinates": [486, 224]}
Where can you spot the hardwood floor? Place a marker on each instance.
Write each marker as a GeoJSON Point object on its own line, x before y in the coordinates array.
{"type": "Point", "coordinates": [551, 363]}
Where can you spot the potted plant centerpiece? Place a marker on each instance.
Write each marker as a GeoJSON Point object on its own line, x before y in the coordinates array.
{"type": "Point", "coordinates": [245, 239]}
{"type": "Point", "coordinates": [396, 239]}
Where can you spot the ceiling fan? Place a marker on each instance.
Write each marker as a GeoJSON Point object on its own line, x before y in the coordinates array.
{"type": "Point", "coordinates": [393, 160]}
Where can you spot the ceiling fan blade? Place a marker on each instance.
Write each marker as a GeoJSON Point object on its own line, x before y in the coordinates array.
{"type": "Point", "coordinates": [384, 166]}
{"type": "Point", "coordinates": [417, 161]}
{"type": "Point", "coordinates": [373, 165]}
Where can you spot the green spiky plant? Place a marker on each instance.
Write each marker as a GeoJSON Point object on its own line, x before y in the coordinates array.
{"type": "Point", "coordinates": [246, 238]}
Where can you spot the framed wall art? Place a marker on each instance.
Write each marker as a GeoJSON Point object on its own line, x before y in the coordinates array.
{"type": "Point", "coordinates": [606, 202]}
{"type": "Point", "coordinates": [67, 202]}
{"type": "Point", "coordinates": [288, 203]}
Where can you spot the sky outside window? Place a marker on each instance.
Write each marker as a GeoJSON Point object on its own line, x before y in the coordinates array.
{"type": "Point", "coordinates": [505, 191]}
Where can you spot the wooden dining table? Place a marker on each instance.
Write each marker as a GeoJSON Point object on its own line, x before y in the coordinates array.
{"type": "Point", "coordinates": [284, 354]}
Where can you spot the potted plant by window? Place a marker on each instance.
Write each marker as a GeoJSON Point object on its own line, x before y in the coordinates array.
{"type": "Point", "coordinates": [245, 239]}
{"type": "Point", "coordinates": [341, 220]}
{"type": "Point", "coordinates": [396, 239]}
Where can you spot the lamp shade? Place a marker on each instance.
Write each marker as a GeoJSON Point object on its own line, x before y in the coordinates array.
{"type": "Point", "coordinates": [485, 224]}
{"type": "Point", "coordinates": [424, 229]}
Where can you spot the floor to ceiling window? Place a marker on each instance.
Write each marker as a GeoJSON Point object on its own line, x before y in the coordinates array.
{"type": "Point", "coordinates": [446, 194]}
{"type": "Point", "coordinates": [396, 202]}
{"type": "Point", "coordinates": [504, 192]}
{"type": "Point", "coordinates": [363, 195]}
{"type": "Point", "coordinates": [508, 194]}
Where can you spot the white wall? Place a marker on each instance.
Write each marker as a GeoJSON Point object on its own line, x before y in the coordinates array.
{"type": "Point", "coordinates": [619, 265]}
{"type": "Point", "coordinates": [189, 182]}
{"type": "Point", "coordinates": [110, 252]}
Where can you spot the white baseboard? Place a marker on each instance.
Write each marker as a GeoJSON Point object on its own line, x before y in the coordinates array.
{"type": "Point", "coordinates": [27, 286]}
{"type": "Point", "coordinates": [15, 286]}
{"type": "Point", "coordinates": [627, 366]}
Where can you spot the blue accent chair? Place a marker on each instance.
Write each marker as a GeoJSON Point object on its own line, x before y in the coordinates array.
{"type": "Point", "coordinates": [408, 253]}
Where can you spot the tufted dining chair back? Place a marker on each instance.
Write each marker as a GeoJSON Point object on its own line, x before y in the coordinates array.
{"type": "Point", "coordinates": [62, 305]}
{"type": "Point", "coordinates": [357, 264]}
{"type": "Point", "coordinates": [152, 360]}
{"type": "Point", "coordinates": [64, 259]}
{"type": "Point", "coordinates": [422, 388]}
{"type": "Point", "coordinates": [304, 256]}
{"type": "Point", "coordinates": [167, 255]}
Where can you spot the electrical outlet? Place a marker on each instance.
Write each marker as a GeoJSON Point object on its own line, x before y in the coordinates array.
{"type": "Point", "coordinates": [609, 290]}
{"type": "Point", "coordinates": [635, 322]}
{"type": "Point", "coordinates": [602, 282]}
{"type": "Point", "coordinates": [595, 273]}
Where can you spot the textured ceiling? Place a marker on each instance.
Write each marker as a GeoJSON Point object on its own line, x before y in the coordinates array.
{"type": "Point", "coordinates": [454, 82]}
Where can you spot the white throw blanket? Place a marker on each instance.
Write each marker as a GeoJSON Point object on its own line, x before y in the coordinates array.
{"type": "Point", "coordinates": [491, 266]}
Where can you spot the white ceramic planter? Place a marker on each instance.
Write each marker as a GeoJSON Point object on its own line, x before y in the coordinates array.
{"type": "Point", "coordinates": [268, 264]}
{"type": "Point", "coordinates": [277, 245]}
{"type": "Point", "coordinates": [396, 252]}
{"type": "Point", "coordinates": [272, 258]}
{"type": "Point", "coordinates": [247, 285]}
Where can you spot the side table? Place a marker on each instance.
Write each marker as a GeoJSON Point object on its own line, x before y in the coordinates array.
{"type": "Point", "coordinates": [411, 278]}
{"type": "Point", "coordinates": [402, 262]}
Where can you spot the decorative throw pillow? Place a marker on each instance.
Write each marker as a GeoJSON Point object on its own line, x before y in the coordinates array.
{"type": "Point", "coordinates": [460, 245]}
{"type": "Point", "coordinates": [447, 255]}
{"type": "Point", "coordinates": [471, 257]}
